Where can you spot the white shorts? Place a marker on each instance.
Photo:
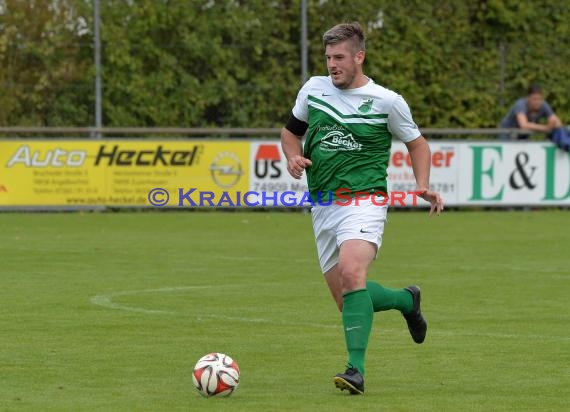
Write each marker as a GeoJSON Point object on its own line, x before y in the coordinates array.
{"type": "Point", "coordinates": [334, 224]}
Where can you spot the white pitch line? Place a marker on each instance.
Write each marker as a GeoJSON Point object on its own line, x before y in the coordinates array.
{"type": "Point", "coordinates": [262, 259]}
{"type": "Point", "coordinates": [107, 302]}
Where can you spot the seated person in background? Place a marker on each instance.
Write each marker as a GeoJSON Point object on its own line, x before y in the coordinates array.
{"type": "Point", "coordinates": [528, 111]}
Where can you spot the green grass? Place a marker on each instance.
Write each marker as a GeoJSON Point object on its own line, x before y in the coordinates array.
{"type": "Point", "coordinates": [109, 312]}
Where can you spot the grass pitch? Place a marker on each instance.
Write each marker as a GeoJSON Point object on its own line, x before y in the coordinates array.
{"type": "Point", "coordinates": [109, 312]}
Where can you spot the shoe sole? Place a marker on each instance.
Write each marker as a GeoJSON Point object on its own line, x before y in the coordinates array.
{"type": "Point", "coordinates": [343, 384]}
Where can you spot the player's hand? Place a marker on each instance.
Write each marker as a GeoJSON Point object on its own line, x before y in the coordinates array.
{"type": "Point", "coordinates": [296, 164]}
{"type": "Point", "coordinates": [435, 200]}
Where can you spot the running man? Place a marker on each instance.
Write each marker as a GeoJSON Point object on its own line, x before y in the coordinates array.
{"type": "Point", "coordinates": [349, 122]}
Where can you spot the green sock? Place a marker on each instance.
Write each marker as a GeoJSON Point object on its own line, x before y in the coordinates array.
{"type": "Point", "coordinates": [357, 314]}
{"type": "Point", "coordinates": [386, 299]}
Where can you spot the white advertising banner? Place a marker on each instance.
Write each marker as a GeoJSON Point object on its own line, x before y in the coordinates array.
{"type": "Point", "coordinates": [443, 175]}
{"type": "Point", "coordinates": [464, 173]}
{"type": "Point", "coordinates": [269, 180]}
{"type": "Point", "coordinates": [529, 173]}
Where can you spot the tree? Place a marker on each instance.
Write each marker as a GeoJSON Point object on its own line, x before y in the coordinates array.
{"type": "Point", "coordinates": [42, 67]}
{"type": "Point", "coordinates": [236, 63]}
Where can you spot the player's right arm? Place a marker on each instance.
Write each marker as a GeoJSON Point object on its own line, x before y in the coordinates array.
{"type": "Point", "coordinates": [293, 132]}
{"type": "Point", "coordinates": [293, 150]}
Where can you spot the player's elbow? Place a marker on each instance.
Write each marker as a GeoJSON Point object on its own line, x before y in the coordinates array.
{"type": "Point", "coordinates": [420, 143]}
{"type": "Point", "coordinates": [288, 134]}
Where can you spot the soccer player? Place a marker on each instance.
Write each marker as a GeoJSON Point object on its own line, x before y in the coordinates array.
{"type": "Point", "coordinates": [349, 122]}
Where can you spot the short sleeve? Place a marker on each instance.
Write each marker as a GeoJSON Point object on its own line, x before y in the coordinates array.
{"type": "Point", "coordinates": [301, 108]}
{"type": "Point", "coordinates": [520, 106]}
{"type": "Point", "coordinates": [400, 122]}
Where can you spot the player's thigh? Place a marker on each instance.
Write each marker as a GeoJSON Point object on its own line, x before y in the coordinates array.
{"type": "Point", "coordinates": [364, 222]}
{"type": "Point", "coordinates": [359, 237]}
{"type": "Point", "coordinates": [355, 257]}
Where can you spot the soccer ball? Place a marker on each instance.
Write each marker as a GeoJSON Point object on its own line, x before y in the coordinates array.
{"type": "Point", "coordinates": [216, 374]}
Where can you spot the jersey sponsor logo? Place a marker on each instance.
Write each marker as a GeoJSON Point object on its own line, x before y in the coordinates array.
{"type": "Point", "coordinates": [329, 128]}
{"type": "Point", "coordinates": [338, 141]}
{"type": "Point", "coordinates": [365, 105]}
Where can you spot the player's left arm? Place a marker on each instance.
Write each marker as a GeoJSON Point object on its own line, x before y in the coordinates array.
{"type": "Point", "coordinates": [420, 156]}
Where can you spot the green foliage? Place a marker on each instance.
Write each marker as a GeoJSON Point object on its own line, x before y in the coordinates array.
{"type": "Point", "coordinates": [42, 65]}
{"type": "Point", "coordinates": [236, 63]}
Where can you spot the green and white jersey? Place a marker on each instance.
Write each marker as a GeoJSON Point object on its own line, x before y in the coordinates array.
{"type": "Point", "coordinates": [350, 134]}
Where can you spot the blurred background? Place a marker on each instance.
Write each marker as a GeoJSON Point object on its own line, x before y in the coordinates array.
{"type": "Point", "coordinates": [233, 63]}
{"type": "Point", "coordinates": [110, 311]}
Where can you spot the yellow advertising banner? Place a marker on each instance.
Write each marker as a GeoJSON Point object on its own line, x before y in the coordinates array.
{"type": "Point", "coordinates": [121, 172]}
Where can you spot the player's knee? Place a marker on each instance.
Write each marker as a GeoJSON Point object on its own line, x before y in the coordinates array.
{"type": "Point", "coordinates": [353, 277]}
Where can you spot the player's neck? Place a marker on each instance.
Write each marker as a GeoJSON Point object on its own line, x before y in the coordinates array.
{"type": "Point", "coordinates": [359, 81]}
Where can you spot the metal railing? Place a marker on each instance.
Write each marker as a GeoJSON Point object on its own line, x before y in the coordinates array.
{"type": "Point", "coordinates": [94, 132]}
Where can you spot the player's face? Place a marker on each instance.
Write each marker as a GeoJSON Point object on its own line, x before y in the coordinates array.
{"type": "Point", "coordinates": [343, 65]}
{"type": "Point", "coordinates": [535, 101]}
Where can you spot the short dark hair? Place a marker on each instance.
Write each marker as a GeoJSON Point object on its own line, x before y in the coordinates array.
{"type": "Point", "coordinates": [534, 89]}
{"type": "Point", "coordinates": [346, 31]}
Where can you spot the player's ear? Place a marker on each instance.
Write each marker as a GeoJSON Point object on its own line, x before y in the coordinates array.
{"type": "Point", "coordinates": [359, 57]}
